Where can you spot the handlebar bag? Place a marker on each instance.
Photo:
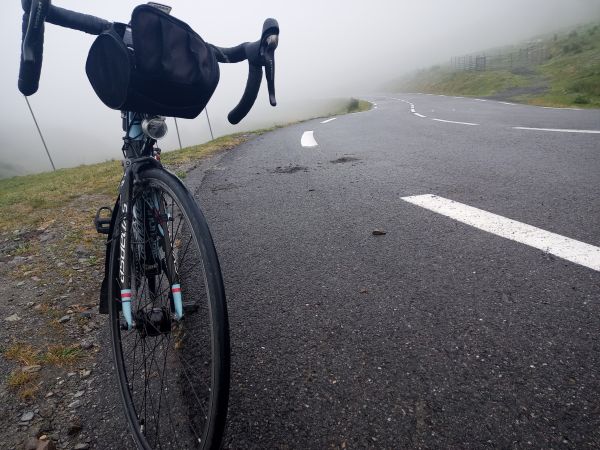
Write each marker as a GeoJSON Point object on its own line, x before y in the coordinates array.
{"type": "Point", "coordinates": [166, 70]}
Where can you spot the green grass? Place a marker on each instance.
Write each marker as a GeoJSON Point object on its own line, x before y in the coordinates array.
{"type": "Point", "coordinates": [569, 77]}
{"type": "Point", "coordinates": [573, 70]}
{"type": "Point", "coordinates": [62, 355]}
{"type": "Point", "coordinates": [444, 81]}
{"type": "Point", "coordinates": [29, 202]}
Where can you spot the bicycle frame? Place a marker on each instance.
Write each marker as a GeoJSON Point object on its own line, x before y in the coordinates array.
{"type": "Point", "coordinates": [140, 153]}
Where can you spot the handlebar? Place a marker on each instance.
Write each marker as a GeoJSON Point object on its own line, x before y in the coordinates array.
{"type": "Point", "coordinates": [259, 54]}
{"type": "Point", "coordinates": [35, 14]}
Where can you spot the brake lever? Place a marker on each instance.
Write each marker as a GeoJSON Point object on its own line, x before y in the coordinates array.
{"type": "Point", "coordinates": [269, 63]}
{"type": "Point", "coordinates": [269, 42]}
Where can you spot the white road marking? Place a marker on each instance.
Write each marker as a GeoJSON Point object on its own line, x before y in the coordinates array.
{"type": "Point", "coordinates": [558, 130]}
{"type": "Point", "coordinates": [308, 139]}
{"type": "Point", "coordinates": [563, 247]}
{"type": "Point", "coordinates": [329, 120]}
{"type": "Point", "coordinates": [507, 103]}
{"type": "Point", "coordinates": [420, 115]}
{"type": "Point", "coordinates": [452, 121]}
{"type": "Point", "coordinates": [480, 100]}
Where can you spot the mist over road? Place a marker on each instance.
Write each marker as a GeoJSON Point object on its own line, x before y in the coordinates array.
{"type": "Point", "coordinates": [327, 50]}
{"type": "Point", "coordinates": [451, 330]}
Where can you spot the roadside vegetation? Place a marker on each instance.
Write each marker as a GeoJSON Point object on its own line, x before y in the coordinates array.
{"type": "Point", "coordinates": [568, 76]}
{"type": "Point", "coordinates": [34, 201]}
{"type": "Point", "coordinates": [356, 105]}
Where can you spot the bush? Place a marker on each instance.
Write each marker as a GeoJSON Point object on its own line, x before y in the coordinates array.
{"type": "Point", "coordinates": [353, 106]}
{"type": "Point", "coordinates": [572, 48]}
{"type": "Point", "coordinates": [581, 100]}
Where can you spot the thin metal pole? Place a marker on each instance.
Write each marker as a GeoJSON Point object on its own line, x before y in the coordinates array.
{"type": "Point", "coordinates": [40, 132]}
{"type": "Point", "coordinates": [209, 126]}
{"type": "Point", "coordinates": [178, 136]}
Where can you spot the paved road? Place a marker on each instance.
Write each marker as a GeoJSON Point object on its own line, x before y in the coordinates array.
{"type": "Point", "coordinates": [437, 334]}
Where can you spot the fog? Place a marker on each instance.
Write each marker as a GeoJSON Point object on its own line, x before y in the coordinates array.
{"type": "Point", "coordinates": [327, 50]}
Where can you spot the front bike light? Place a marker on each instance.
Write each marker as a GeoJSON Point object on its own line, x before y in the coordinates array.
{"type": "Point", "coordinates": [272, 42]}
{"type": "Point", "coordinates": [155, 127]}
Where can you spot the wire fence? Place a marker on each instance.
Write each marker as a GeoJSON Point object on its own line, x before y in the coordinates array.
{"type": "Point", "coordinates": [532, 55]}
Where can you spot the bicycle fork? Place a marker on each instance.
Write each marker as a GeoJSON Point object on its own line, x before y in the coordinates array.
{"type": "Point", "coordinates": [155, 222]}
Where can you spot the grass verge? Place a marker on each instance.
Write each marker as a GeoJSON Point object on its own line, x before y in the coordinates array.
{"type": "Point", "coordinates": [32, 202]}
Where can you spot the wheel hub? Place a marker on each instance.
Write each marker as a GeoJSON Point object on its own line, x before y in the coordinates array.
{"type": "Point", "coordinates": [153, 323]}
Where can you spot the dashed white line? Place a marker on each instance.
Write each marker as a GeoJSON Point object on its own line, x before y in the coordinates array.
{"type": "Point", "coordinates": [329, 120]}
{"type": "Point", "coordinates": [507, 103]}
{"type": "Point", "coordinates": [563, 247]}
{"type": "Point", "coordinates": [452, 121]}
{"type": "Point", "coordinates": [558, 130]}
{"type": "Point", "coordinates": [420, 115]}
{"type": "Point", "coordinates": [308, 139]}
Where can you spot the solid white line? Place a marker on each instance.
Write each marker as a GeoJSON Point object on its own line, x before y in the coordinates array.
{"type": "Point", "coordinates": [451, 121]}
{"type": "Point", "coordinates": [308, 139]}
{"type": "Point", "coordinates": [420, 115]}
{"type": "Point", "coordinates": [566, 248]}
{"type": "Point", "coordinates": [559, 130]}
{"type": "Point", "coordinates": [329, 120]}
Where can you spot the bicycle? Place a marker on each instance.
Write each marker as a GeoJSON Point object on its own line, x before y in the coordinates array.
{"type": "Point", "coordinates": [163, 288]}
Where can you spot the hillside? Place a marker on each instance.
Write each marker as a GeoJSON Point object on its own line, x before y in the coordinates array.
{"type": "Point", "coordinates": [564, 72]}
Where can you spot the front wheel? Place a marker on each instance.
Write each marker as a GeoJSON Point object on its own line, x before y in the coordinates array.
{"type": "Point", "coordinates": [172, 360]}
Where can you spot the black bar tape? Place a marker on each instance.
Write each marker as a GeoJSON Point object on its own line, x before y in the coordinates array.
{"type": "Point", "coordinates": [249, 97]}
{"type": "Point", "coordinates": [77, 21]}
{"type": "Point", "coordinates": [230, 55]}
{"type": "Point", "coordinates": [32, 47]}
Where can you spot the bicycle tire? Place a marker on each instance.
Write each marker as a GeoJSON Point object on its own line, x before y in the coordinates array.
{"type": "Point", "coordinates": [198, 403]}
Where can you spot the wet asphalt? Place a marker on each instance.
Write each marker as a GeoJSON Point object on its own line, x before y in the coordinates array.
{"type": "Point", "coordinates": [435, 334]}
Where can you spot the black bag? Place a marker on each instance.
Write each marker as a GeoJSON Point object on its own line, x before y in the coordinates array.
{"type": "Point", "coordinates": [169, 71]}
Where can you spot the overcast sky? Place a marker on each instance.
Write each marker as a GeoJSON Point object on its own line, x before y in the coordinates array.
{"type": "Point", "coordinates": [327, 49]}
